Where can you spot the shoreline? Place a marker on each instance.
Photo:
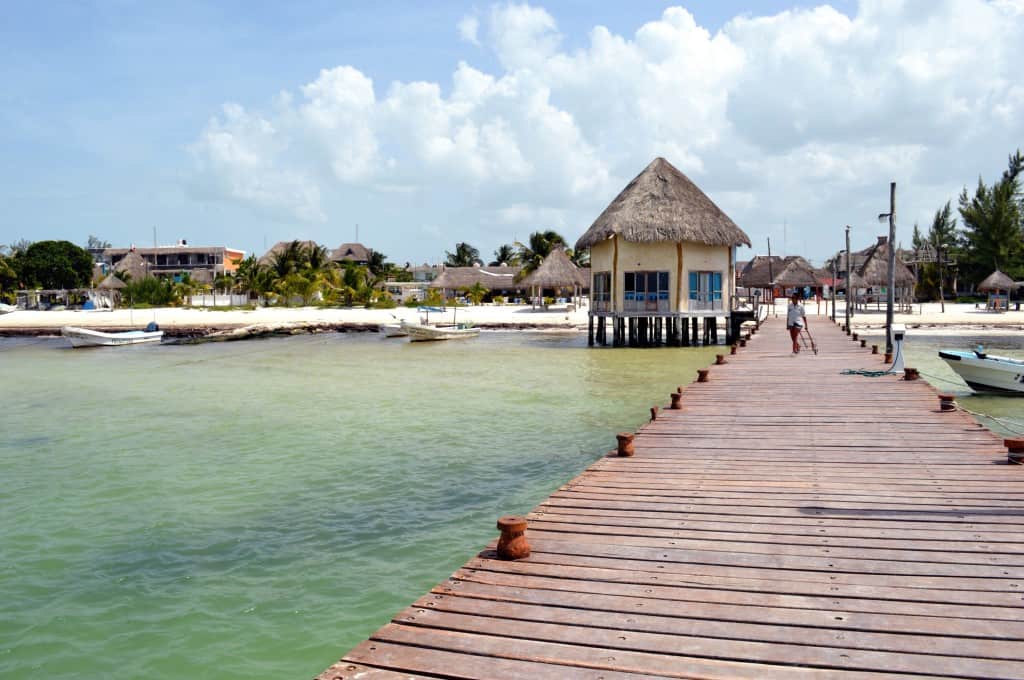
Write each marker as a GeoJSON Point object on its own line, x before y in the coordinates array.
{"type": "Point", "coordinates": [206, 324]}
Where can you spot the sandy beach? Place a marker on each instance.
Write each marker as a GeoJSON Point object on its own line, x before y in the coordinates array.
{"type": "Point", "coordinates": [197, 321]}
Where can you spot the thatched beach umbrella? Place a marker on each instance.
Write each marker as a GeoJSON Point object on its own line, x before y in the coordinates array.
{"type": "Point", "coordinates": [556, 271]}
{"type": "Point", "coordinates": [112, 283]}
{"type": "Point", "coordinates": [875, 269]}
{"type": "Point", "coordinates": [995, 283]}
{"type": "Point", "coordinates": [662, 204]}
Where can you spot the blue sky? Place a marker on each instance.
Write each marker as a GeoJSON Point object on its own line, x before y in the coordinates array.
{"type": "Point", "coordinates": [431, 123]}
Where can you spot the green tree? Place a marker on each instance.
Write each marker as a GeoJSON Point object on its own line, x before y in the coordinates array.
{"type": "Point", "coordinates": [476, 293]}
{"type": "Point", "coordinates": [378, 264]}
{"type": "Point", "coordinates": [96, 243]}
{"type": "Point", "coordinates": [541, 243]}
{"type": "Point", "coordinates": [294, 257]}
{"type": "Point", "coordinates": [8, 277]}
{"type": "Point", "coordinates": [992, 225]}
{"type": "Point", "coordinates": [465, 255]}
{"type": "Point", "coordinates": [54, 265]}
{"type": "Point", "coordinates": [505, 254]}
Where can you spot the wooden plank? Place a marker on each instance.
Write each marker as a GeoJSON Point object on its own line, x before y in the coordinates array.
{"type": "Point", "coordinates": [740, 544]}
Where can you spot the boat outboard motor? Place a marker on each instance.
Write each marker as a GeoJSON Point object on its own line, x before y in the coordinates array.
{"type": "Point", "coordinates": [899, 331]}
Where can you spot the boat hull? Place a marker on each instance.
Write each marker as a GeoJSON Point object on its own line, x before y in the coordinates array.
{"type": "Point", "coordinates": [424, 333]}
{"type": "Point", "coordinates": [85, 337]}
{"type": "Point", "coordinates": [988, 373]}
{"type": "Point", "coordinates": [393, 330]}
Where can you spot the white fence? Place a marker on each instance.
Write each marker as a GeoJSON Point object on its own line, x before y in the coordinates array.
{"type": "Point", "coordinates": [218, 300]}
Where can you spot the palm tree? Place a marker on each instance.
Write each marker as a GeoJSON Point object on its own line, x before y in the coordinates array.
{"type": "Point", "coordinates": [378, 263]}
{"type": "Point", "coordinates": [476, 293]}
{"type": "Point", "coordinates": [294, 257]}
{"type": "Point", "coordinates": [541, 245]}
{"type": "Point", "coordinates": [465, 255]}
{"type": "Point", "coordinates": [505, 254]}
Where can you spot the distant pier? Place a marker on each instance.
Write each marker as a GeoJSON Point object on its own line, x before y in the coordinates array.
{"type": "Point", "coordinates": [785, 521]}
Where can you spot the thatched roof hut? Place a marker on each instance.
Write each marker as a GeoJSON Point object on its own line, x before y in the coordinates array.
{"type": "Point", "coordinates": [112, 283]}
{"type": "Point", "coordinates": [279, 247]}
{"type": "Point", "coordinates": [662, 204]}
{"type": "Point", "coordinates": [491, 278]}
{"type": "Point", "coordinates": [875, 269]}
{"type": "Point", "coordinates": [997, 281]}
{"type": "Point", "coordinates": [797, 272]}
{"type": "Point", "coordinates": [351, 252]}
{"type": "Point", "coordinates": [134, 265]}
{"type": "Point", "coordinates": [759, 272]}
{"type": "Point", "coordinates": [856, 279]}
{"type": "Point", "coordinates": [556, 271]}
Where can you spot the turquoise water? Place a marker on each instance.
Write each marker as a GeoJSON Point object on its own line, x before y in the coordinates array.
{"type": "Point", "coordinates": [253, 510]}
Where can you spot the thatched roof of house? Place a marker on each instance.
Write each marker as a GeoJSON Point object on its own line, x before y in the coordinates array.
{"type": "Point", "coordinates": [279, 247]}
{"type": "Point", "coordinates": [797, 272]}
{"type": "Point", "coordinates": [662, 204]}
{"type": "Point", "coordinates": [112, 283]}
{"type": "Point", "coordinates": [856, 279]}
{"type": "Point", "coordinates": [556, 271]}
{"type": "Point", "coordinates": [997, 281]}
{"type": "Point", "coordinates": [491, 278]}
{"type": "Point", "coordinates": [758, 274]}
{"type": "Point", "coordinates": [875, 269]}
{"type": "Point", "coordinates": [355, 252]}
{"type": "Point", "coordinates": [134, 265]}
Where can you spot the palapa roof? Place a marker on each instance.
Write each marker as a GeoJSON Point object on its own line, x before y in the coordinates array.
{"type": "Point", "coordinates": [134, 265]}
{"type": "Point", "coordinates": [875, 269]}
{"type": "Point", "coordinates": [279, 247]}
{"type": "Point", "coordinates": [355, 252]}
{"type": "Point", "coordinates": [491, 278]}
{"type": "Point", "coordinates": [662, 204]}
{"type": "Point", "coordinates": [757, 274]}
{"type": "Point", "coordinates": [797, 272]}
{"type": "Point", "coordinates": [112, 283]}
{"type": "Point", "coordinates": [856, 279]}
{"type": "Point", "coordinates": [556, 271]}
{"type": "Point", "coordinates": [997, 281]}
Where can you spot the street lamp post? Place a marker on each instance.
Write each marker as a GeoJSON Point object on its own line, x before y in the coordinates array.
{"type": "Point", "coordinates": [890, 298]}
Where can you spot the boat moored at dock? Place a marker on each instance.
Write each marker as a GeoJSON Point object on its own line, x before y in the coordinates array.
{"type": "Point", "coordinates": [986, 373]}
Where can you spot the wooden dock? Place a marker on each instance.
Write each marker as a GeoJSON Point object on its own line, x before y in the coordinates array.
{"type": "Point", "coordinates": [787, 522]}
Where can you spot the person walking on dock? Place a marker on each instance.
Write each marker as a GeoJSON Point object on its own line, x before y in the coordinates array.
{"type": "Point", "coordinates": [796, 320]}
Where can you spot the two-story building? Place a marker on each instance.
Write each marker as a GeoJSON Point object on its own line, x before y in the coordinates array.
{"type": "Point", "coordinates": [202, 263]}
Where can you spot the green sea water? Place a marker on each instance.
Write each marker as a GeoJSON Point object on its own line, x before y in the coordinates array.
{"type": "Point", "coordinates": [253, 510]}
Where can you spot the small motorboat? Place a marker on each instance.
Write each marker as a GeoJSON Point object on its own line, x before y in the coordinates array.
{"type": "Point", "coordinates": [420, 332]}
{"type": "Point", "coordinates": [7, 309]}
{"type": "Point", "coordinates": [86, 337]}
{"type": "Point", "coordinates": [393, 330]}
{"type": "Point", "coordinates": [984, 372]}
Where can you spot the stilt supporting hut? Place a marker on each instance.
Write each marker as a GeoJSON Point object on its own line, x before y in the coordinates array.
{"type": "Point", "coordinates": [662, 260]}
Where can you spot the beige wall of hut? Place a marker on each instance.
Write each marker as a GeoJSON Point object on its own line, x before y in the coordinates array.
{"type": "Point", "coordinates": [662, 256]}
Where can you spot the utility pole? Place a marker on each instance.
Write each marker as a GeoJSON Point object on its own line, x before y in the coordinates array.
{"type": "Point", "coordinates": [890, 298]}
{"type": "Point", "coordinates": [942, 297]}
{"type": "Point", "coordinates": [771, 276]}
{"type": "Point", "coordinates": [849, 283]}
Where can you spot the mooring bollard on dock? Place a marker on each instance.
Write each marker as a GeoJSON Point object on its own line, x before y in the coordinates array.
{"type": "Point", "coordinates": [677, 401]}
{"type": "Point", "coordinates": [887, 359]}
{"type": "Point", "coordinates": [720, 359]}
{"type": "Point", "coordinates": [1014, 450]}
{"type": "Point", "coordinates": [947, 402]}
{"type": "Point", "coordinates": [625, 444]}
{"type": "Point", "coordinates": [743, 342]}
{"type": "Point", "coordinates": [855, 337]}
{"type": "Point", "coordinates": [702, 374]}
{"type": "Point", "coordinates": [732, 348]}
{"type": "Point", "coordinates": [874, 349]}
{"type": "Point", "coordinates": [911, 374]}
{"type": "Point", "coordinates": [863, 342]}
{"type": "Point", "coordinates": [654, 413]}
{"type": "Point", "coordinates": [512, 545]}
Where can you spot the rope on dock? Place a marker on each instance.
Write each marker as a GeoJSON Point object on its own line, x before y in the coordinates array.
{"type": "Point", "coordinates": [1002, 421]}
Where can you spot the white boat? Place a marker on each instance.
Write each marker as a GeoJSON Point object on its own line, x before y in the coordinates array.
{"type": "Point", "coordinates": [7, 309]}
{"type": "Point", "coordinates": [86, 337]}
{"type": "Point", "coordinates": [986, 373]}
{"type": "Point", "coordinates": [393, 330]}
{"type": "Point", "coordinates": [420, 332]}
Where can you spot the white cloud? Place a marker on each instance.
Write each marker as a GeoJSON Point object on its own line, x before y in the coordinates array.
{"type": "Point", "coordinates": [468, 27]}
{"type": "Point", "coordinates": [803, 117]}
